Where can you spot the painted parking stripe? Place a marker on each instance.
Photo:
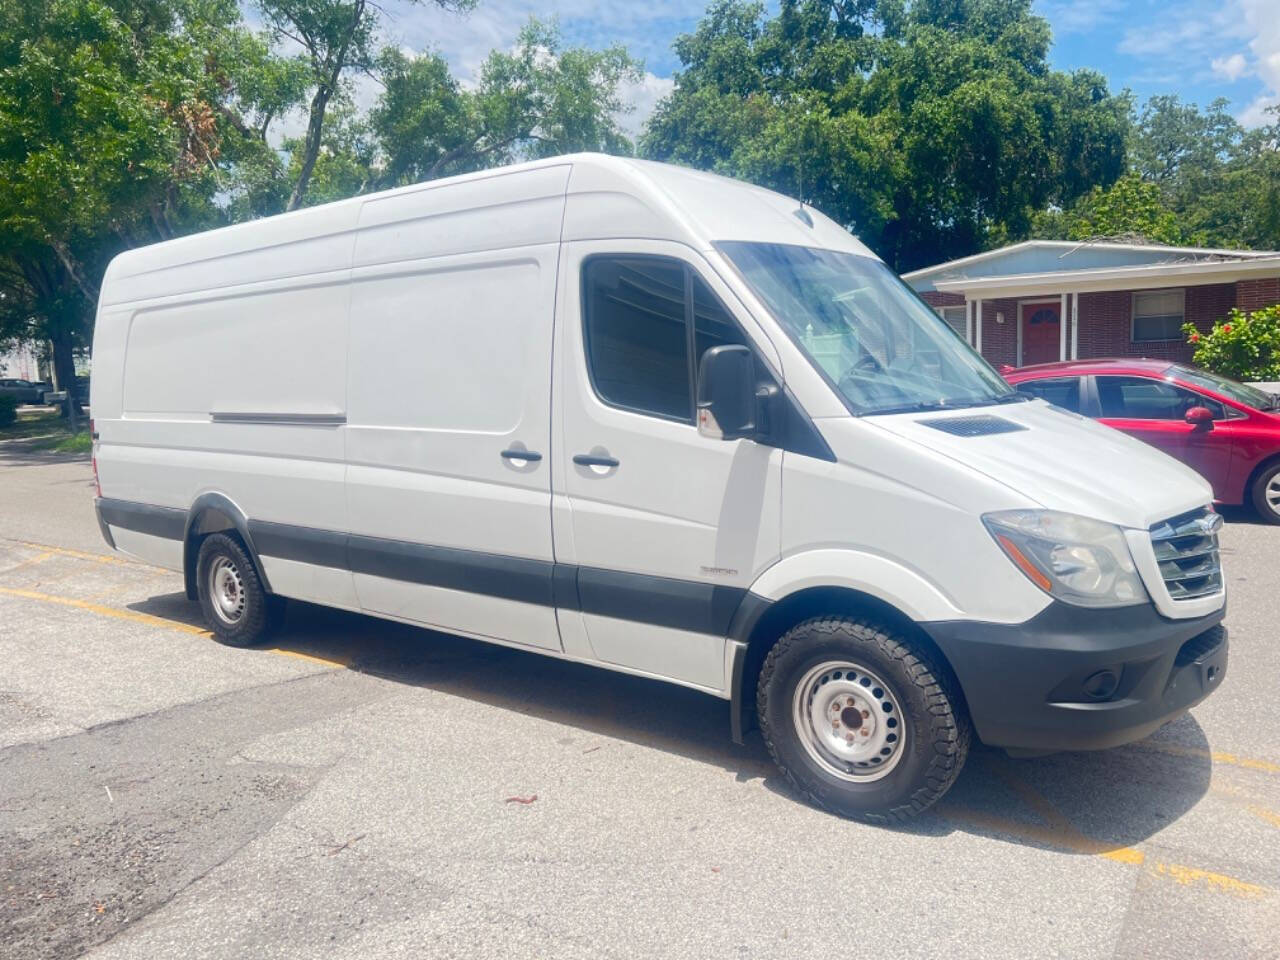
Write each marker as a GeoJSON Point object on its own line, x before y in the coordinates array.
{"type": "Point", "coordinates": [152, 621]}
{"type": "Point", "coordinates": [1059, 832]}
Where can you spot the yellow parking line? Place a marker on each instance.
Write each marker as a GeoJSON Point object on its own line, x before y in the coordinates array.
{"type": "Point", "coordinates": [1061, 833]}
{"type": "Point", "coordinates": [78, 554]}
{"type": "Point", "coordinates": [1216, 881]}
{"type": "Point", "coordinates": [1262, 813]}
{"type": "Point", "coordinates": [1229, 759]}
{"type": "Point", "coordinates": [135, 617]}
{"type": "Point", "coordinates": [1059, 824]}
{"type": "Point", "coordinates": [104, 611]}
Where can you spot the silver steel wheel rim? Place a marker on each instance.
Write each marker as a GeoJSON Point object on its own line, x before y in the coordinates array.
{"type": "Point", "coordinates": [226, 591]}
{"type": "Point", "coordinates": [849, 721]}
{"type": "Point", "coordinates": [1272, 494]}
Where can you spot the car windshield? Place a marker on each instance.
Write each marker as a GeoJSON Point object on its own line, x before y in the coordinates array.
{"type": "Point", "coordinates": [882, 347]}
{"type": "Point", "coordinates": [1241, 393]}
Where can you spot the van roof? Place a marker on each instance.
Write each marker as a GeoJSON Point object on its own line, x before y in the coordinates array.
{"type": "Point", "coordinates": [606, 197]}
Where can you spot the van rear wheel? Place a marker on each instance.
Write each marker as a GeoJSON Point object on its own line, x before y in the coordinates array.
{"type": "Point", "coordinates": [862, 722]}
{"type": "Point", "coordinates": [231, 595]}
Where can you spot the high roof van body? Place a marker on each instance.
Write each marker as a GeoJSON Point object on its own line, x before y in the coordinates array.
{"type": "Point", "coordinates": [663, 422]}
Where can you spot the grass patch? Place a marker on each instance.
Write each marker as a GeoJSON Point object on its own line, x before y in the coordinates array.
{"type": "Point", "coordinates": [81, 442]}
{"type": "Point", "coordinates": [34, 423]}
{"type": "Point", "coordinates": [46, 430]}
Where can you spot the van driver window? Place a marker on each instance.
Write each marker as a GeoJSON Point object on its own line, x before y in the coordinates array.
{"type": "Point", "coordinates": [636, 334]}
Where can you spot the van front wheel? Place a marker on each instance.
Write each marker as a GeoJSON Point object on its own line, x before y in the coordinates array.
{"type": "Point", "coordinates": [862, 722]}
{"type": "Point", "coordinates": [231, 595]}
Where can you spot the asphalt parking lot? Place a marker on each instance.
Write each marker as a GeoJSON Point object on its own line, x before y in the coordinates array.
{"type": "Point", "coordinates": [365, 789]}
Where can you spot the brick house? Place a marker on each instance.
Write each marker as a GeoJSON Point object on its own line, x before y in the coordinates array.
{"type": "Point", "coordinates": [1047, 300]}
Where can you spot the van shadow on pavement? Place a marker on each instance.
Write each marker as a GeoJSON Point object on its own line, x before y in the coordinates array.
{"type": "Point", "coordinates": [1081, 803]}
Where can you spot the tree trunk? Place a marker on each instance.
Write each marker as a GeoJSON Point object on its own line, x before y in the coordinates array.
{"type": "Point", "coordinates": [311, 146]}
{"type": "Point", "coordinates": [64, 374]}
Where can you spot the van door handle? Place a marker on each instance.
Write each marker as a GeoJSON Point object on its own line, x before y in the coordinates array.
{"type": "Point", "coordinates": [531, 455]}
{"type": "Point", "coordinates": [587, 460]}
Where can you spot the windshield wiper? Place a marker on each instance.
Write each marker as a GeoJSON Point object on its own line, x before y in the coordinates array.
{"type": "Point", "coordinates": [1014, 397]}
{"type": "Point", "coordinates": [922, 406]}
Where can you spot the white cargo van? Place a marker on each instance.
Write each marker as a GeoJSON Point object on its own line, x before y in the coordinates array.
{"type": "Point", "coordinates": [667, 423]}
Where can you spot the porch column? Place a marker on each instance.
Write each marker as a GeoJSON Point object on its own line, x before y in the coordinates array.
{"type": "Point", "coordinates": [968, 321]}
{"type": "Point", "coordinates": [1075, 326]}
{"type": "Point", "coordinates": [978, 343]}
{"type": "Point", "coordinates": [1062, 328]}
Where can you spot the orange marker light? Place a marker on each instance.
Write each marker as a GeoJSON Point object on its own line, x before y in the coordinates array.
{"type": "Point", "coordinates": [1025, 565]}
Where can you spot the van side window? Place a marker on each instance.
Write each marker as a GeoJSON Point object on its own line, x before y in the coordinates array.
{"type": "Point", "coordinates": [637, 340]}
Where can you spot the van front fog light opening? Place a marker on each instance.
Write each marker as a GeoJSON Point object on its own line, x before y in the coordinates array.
{"type": "Point", "coordinates": [1075, 559]}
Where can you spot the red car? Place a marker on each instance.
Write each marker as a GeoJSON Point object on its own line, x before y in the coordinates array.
{"type": "Point", "coordinates": [1227, 431]}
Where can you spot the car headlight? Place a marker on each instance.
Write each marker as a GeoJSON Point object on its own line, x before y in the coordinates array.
{"type": "Point", "coordinates": [1082, 561]}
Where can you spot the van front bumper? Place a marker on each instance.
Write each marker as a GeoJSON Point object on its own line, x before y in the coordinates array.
{"type": "Point", "coordinates": [1073, 678]}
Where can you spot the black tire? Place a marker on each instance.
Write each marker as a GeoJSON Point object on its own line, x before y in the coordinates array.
{"type": "Point", "coordinates": [224, 565]}
{"type": "Point", "coordinates": [1266, 510]}
{"type": "Point", "coordinates": [935, 724]}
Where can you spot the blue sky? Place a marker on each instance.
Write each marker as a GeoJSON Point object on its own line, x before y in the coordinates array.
{"type": "Point", "coordinates": [1199, 49]}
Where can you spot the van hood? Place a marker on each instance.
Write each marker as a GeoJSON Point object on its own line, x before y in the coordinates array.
{"type": "Point", "coordinates": [1060, 460]}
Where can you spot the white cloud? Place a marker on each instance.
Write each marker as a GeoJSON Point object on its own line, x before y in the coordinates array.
{"type": "Point", "coordinates": [1187, 33]}
{"type": "Point", "coordinates": [1078, 16]}
{"type": "Point", "coordinates": [1255, 114]}
{"type": "Point", "coordinates": [1230, 68]}
{"type": "Point", "coordinates": [1265, 47]}
{"type": "Point", "coordinates": [642, 97]}
{"type": "Point", "coordinates": [646, 28]}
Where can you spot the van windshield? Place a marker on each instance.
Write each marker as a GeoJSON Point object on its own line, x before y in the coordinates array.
{"type": "Point", "coordinates": [881, 346]}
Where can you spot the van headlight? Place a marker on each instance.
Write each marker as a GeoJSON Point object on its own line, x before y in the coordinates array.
{"type": "Point", "coordinates": [1078, 560]}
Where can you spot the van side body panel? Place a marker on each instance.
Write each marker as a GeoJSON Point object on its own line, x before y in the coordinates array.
{"type": "Point", "coordinates": [452, 304]}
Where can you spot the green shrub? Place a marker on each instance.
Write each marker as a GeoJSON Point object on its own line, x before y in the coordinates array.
{"type": "Point", "coordinates": [1244, 346]}
{"type": "Point", "coordinates": [8, 411]}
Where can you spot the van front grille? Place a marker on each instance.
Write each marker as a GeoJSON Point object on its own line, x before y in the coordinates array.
{"type": "Point", "coordinates": [1186, 549]}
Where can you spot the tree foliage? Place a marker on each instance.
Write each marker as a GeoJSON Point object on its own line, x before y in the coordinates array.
{"type": "Point", "coordinates": [337, 38]}
{"type": "Point", "coordinates": [109, 123]}
{"type": "Point", "coordinates": [123, 122]}
{"type": "Point", "coordinates": [1195, 177]}
{"type": "Point", "coordinates": [537, 100]}
{"type": "Point", "coordinates": [931, 129]}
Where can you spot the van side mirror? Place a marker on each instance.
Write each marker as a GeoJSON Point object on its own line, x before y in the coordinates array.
{"type": "Point", "coordinates": [727, 393]}
{"type": "Point", "coordinates": [1200, 417]}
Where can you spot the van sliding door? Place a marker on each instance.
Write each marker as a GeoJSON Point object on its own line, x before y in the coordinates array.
{"type": "Point", "coordinates": [448, 435]}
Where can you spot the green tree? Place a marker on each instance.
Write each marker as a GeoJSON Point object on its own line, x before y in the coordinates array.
{"type": "Point", "coordinates": [931, 129]}
{"type": "Point", "coordinates": [338, 38]}
{"type": "Point", "coordinates": [1131, 210]}
{"type": "Point", "coordinates": [122, 122]}
{"type": "Point", "coordinates": [105, 113]}
{"type": "Point", "coordinates": [1220, 181]}
{"type": "Point", "coordinates": [539, 99]}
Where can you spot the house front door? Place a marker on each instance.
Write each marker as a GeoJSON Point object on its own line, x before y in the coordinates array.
{"type": "Point", "coordinates": [1041, 326]}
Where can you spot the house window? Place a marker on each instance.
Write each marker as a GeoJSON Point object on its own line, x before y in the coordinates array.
{"type": "Point", "coordinates": [954, 317]}
{"type": "Point", "coordinates": [1158, 315]}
